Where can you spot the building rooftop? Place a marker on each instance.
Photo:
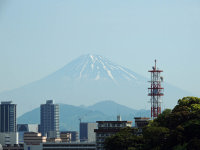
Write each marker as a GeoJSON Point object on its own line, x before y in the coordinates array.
{"type": "Point", "coordinates": [6, 102]}
{"type": "Point", "coordinates": [49, 102]}
{"type": "Point", "coordinates": [114, 121]}
{"type": "Point", "coordinates": [142, 118]}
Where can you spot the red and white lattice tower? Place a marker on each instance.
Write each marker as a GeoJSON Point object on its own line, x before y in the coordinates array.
{"type": "Point", "coordinates": [155, 91]}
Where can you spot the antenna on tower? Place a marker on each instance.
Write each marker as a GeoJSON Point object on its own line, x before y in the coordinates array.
{"type": "Point", "coordinates": [155, 91]}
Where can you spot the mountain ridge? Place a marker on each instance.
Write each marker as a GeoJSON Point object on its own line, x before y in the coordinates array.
{"type": "Point", "coordinates": [70, 115]}
{"type": "Point", "coordinates": [65, 86]}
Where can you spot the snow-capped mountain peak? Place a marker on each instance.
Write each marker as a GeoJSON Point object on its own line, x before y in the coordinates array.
{"type": "Point", "coordinates": [87, 80]}
{"type": "Point", "coordinates": [96, 67]}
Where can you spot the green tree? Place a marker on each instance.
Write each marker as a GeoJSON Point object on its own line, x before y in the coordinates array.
{"type": "Point", "coordinates": [194, 144]}
{"type": "Point", "coordinates": [172, 130]}
{"type": "Point", "coordinates": [155, 137]}
{"type": "Point", "coordinates": [183, 124]}
{"type": "Point", "coordinates": [124, 140]}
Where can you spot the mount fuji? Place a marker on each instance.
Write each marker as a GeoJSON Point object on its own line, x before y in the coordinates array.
{"type": "Point", "coordinates": [87, 80]}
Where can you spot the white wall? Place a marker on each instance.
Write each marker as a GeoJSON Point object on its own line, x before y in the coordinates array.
{"type": "Point", "coordinates": [1, 148]}
{"type": "Point", "coordinates": [8, 138]}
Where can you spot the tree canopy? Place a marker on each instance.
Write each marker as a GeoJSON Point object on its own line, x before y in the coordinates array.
{"type": "Point", "coordinates": [176, 129]}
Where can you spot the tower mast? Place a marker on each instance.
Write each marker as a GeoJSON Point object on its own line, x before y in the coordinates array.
{"type": "Point", "coordinates": [155, 91]}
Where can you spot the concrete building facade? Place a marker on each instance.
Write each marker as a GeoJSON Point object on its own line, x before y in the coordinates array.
{"type": "Point", "coordinates": [87, 132]}
{"type": "Point", "coordinates": [8, 134]}
{"type": "Point", "coordinates": [108, 128]}
{"type": "Point", "coordinates": [65, 136]}
{"type": "Point", "coordinates": [49, 119]}
{"type": "Point", "coordinates": [7, 117]}
{"type": "Point", "coordinates": [34, 138]}
{"type": "Point", "coordinates": [8, 138]}
{"type": "Point", "coordinates": [15, 147]}
{"type": "Point", "coordinates": [62, 146]}
{"type": "Point", "coordinates": [141, 122]}
{"type": "Point", "coordinates": [22, 128]}
{"type": "Point", "coordinates": [74, 135]}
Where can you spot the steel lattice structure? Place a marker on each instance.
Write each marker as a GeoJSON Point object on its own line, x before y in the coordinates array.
{"type": "Point", "coordinates": [155, 91]}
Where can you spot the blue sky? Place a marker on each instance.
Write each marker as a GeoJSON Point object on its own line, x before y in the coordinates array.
{"type": "Point", "coordinates": [38, 37]}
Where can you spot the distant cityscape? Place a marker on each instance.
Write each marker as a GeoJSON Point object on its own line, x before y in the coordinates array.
{"type": "Point", "coordinates": [91, 135]}
{"type": "Point", "coordinates": [99, 75]}
{"type": "Point", "coordinates": [47, 135]}
{"type": "Point", "coordinates": [105, 134]}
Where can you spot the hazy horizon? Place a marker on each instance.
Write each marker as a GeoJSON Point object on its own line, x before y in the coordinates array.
{"type": "Point", "coordinates": [39, 37]}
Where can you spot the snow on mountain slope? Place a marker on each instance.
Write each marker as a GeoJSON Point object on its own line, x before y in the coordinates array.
{"type": "Point", "coordinates": [87, 80]}
{"type": "Point", "coordinates": [95, 67]}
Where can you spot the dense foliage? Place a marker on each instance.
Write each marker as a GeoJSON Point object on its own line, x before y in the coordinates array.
{"type": "Point", "coordinates": [177, 129]}
{"type": "Point", "coordinates": [125, 139]}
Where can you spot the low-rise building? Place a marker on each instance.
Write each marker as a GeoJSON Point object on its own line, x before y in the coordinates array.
{"type": "Point", "coordinates": [22, 128]}
{"type": "Point", "coordinates": [108, 128]}
{"type": "Point", "coordinates": [54, 140]}
{"type": "Point", "coordinates": [8, 138]}
{"type": "Point", "coordinates": [34, 138]}
{"type": "Point", "coordinates": [74, 135]}
{"type": "Point", "coordinates": [87, 133]}
{"type": "Point", "coordinates": [14, 147]}
{"type": "Point", "coordinates": [141, 122]}
{"type": "Point", "coordinates": [62, 146]}
{"type": "Point", "coordinates": [65, 136]}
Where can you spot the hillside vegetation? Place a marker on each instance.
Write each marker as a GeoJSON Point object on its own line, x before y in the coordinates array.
{"type": "Point", "coordinates": [176, 129]}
